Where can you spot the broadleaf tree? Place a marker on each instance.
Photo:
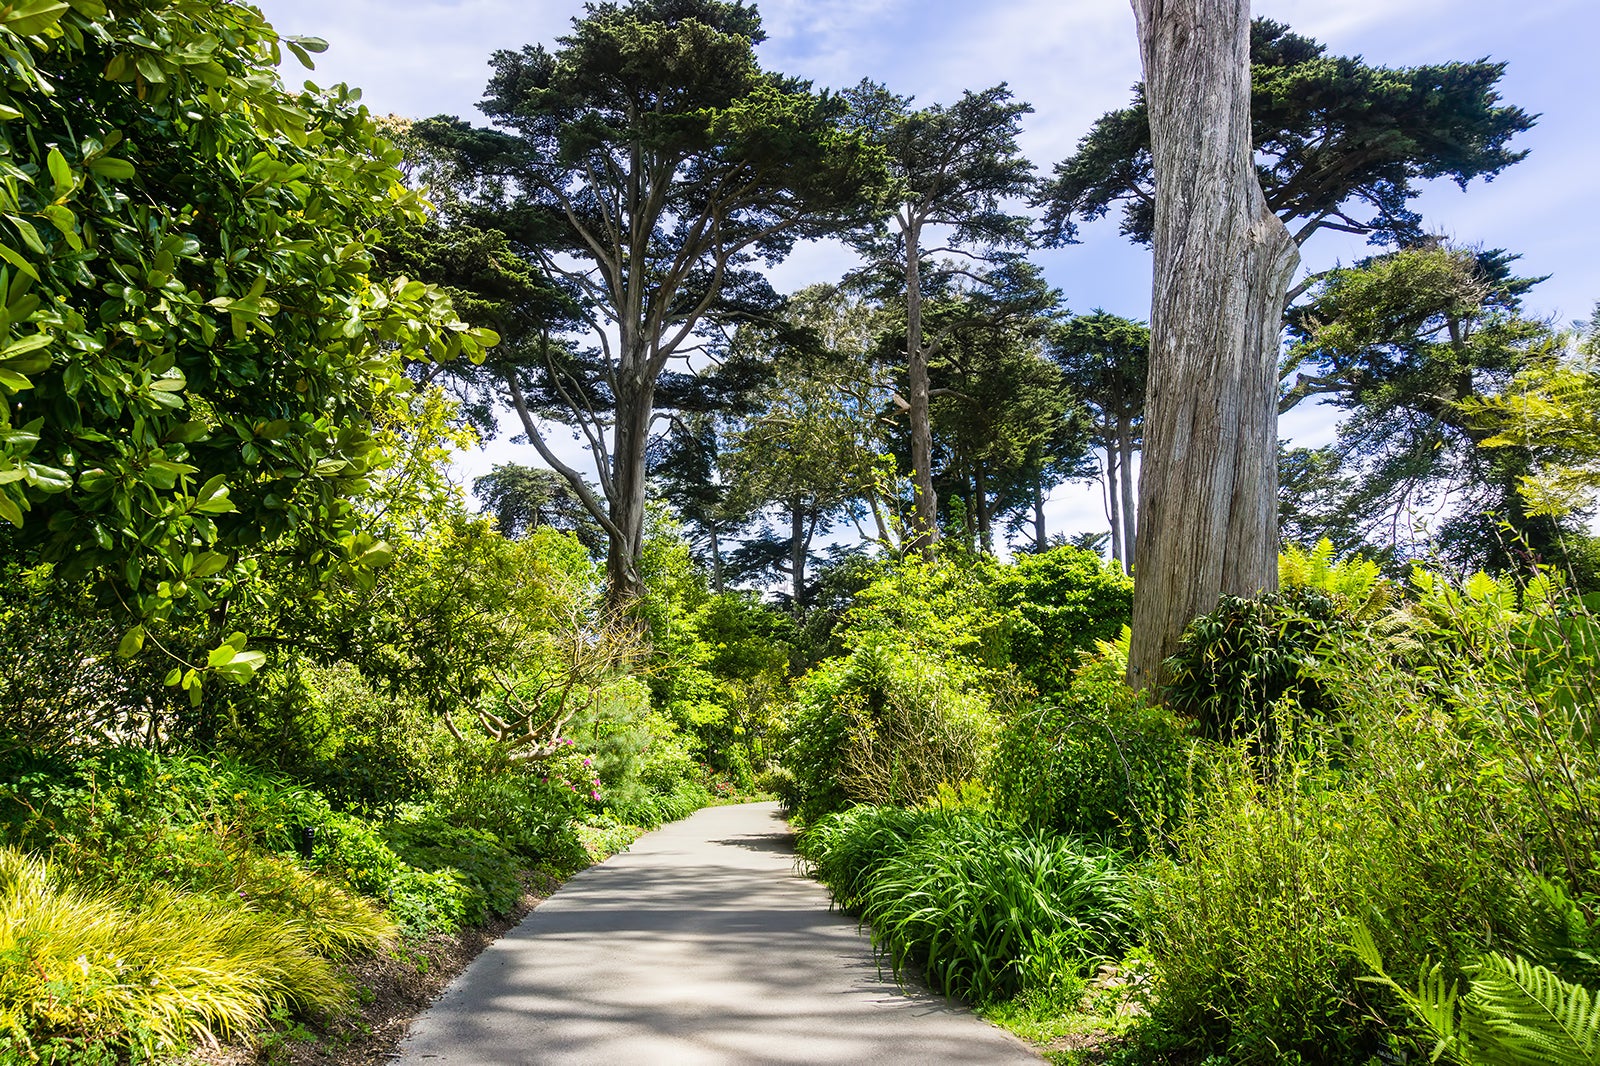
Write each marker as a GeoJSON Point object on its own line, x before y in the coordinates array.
{"type": "Point", "coordinates": [197, 344]}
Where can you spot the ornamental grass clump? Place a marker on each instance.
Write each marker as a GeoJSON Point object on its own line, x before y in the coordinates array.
{"type": "Point", "coordinates": [983, 910]}
{"type": "Point", "coordinates": [179, 969]}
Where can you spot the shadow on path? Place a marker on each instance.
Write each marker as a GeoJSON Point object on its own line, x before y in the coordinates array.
{"type": "Point", "coordinates": [700, 945]}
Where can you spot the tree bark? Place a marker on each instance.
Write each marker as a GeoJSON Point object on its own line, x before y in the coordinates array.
{"type": "Point", "coordinates": [797, 551]}
{"type": "Point", "coordinates": [925, 505]}
{"type": "Point", "coordinates": [1130, 512]}
{"type": "Point", "coordinates": [1039, 541]}
{"type": "Point", "coordinates": [635, 406]}
{"type": "Point", "coordinates": [1209, 485]}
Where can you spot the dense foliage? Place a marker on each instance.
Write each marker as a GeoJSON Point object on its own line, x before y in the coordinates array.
{"type": "Point", "coordinates": [273, 698]}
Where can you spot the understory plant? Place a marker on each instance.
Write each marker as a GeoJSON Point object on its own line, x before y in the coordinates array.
{"type": "Point", "coordinates": [155, 975]}
{"type": "Point", "coordinates": [984, 911]}
{"type": "Point", "coordinates": [1096, 759]}
{"type": "Point", "coordinates": [885, 725]}
{"type": "Point", "coordinates": [1442, 804]}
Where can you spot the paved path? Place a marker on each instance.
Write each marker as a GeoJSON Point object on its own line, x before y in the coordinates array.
{"type": "Point", "coordinates": [700, 945]}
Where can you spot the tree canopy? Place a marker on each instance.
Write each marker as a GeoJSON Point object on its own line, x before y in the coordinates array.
{"type": "Point", "coordinates": [646, 164]}
{"type": "Point", "coordinates": [1340, 143]}
{"type": "Point", "coordinates": [198, 353]}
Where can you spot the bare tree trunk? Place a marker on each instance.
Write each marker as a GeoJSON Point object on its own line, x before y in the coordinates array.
{"type": "Point", "coordinates": [1114, 503]}
{"type": "Point", "coordinates": [1208, 490]}
{"type": "Point", "coordinates": [1130, 512]}
{"type": "Point", "coordinates": [635, 404]}
{"type": "Point", "coordinates": [1038, 513]}
{"type": "Point", "coordinates": [716, 561]}
{"type": "Point", "coordinates": [980, 501]}
{"type": "Point", "coordinates": [925, 508]}
{"type": "Point", "coordinates": [797, 551]}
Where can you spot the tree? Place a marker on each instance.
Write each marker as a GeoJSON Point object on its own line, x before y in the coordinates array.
{"type": "Point", "coordinates": [646, 164]}
{"type": "Point", "coordinates": [197, 349]}
{"type": "Point", "coordinates": [1553, 409]}
{"type": "Point", "coordinates": [1408, 343]}
{"type": "Point", "coordinates": [1334, 137]}
{"type": "Point", "coordinates": [1106, 361]}
{"type": "Point", "coordinates": [1223, 260]}
{"type": "Point", "coordinates": [814, 442]}
{"type": "Point", "coordinates": [951, 170]}
{"type": "Point", "coordinates": [1006, 429]}
{"type": "Point", "coordinates": [525, 498]}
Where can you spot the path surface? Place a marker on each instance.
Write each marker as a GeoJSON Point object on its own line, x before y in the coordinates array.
{"type": "Point", "coordinates": [700, 945]}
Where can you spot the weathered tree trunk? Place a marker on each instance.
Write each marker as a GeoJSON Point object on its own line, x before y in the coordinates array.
{"type": "Point", "coordinates": [1208, 490]}
{"type": "Point", "coordinates": [925, 508]}
{"type": "Point", "coordinates": [1130, 512]}
{"type": "Point", "coordinates": [635, 405]}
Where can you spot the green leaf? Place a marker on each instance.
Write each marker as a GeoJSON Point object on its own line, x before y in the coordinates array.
{"type": "Point", "coordinates": [60, 173]}
{"type": "Point", "coordinates": [112, 167]}
{"type": "Point", "coordinates": [30, 236]}
{"type": "Point", "coordinates": [208, 564]}
{"type": "Point", "coordinates": [9, 510]}
{"type": "Point", "coordinates": [242, 668]}
{"type": "Point", "coordinates": [221, 655]}
{"type": "Point", "coordinates": [131, 643]}
{"type": "Point", "coordinates": [17, 261]}
{"type": "Point", "coordinates": [29, 18]}
{"type": "Point", "coordinates": [48, 479]}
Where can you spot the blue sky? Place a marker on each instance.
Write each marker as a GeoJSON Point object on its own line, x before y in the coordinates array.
{"type": "Point", "coordinates": [1072, 61]}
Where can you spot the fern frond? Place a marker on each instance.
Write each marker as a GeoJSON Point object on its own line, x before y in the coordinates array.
{"type": "Point", "coordinates": [1519, 1012]}
{"type": "Point", "coordinates": [1435, 1001]}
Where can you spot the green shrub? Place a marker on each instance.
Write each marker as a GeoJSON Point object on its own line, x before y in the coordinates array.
{"type": "Point", "coordinates": [431, 844]}
{"type": "Point", "coordinates": [885, 725]}
{"type": "Point", "coordinates": [1059, 603]}
{"type": "Point", "coordinates": [1447, 806]}
{"type": "Point", "coordinates": [131, 821]}
{"type": "Point", "coordinates": [1246, 922]}
{"type": "Point", "coordinates": [976, 906]}
{"type": "Point", "coordinates": [1235, 663]}
{"type": "Point", "coordinates": [529, 807]}
{"type": "Point", "coordinates": [327, 727]}
{"type": "Point", "coordinates": [1100, 760]}
{"type": "Point", "coordinates": [943, 609]}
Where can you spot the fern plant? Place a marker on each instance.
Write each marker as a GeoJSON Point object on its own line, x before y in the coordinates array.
{"type": "Point", "coordinates": [1513, 1013]}
{"type": "Point", "coordinates": [1355, 583]}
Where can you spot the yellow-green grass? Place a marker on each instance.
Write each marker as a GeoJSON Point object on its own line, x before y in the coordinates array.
{"type": "Point", "coordinates": [168, 969]}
